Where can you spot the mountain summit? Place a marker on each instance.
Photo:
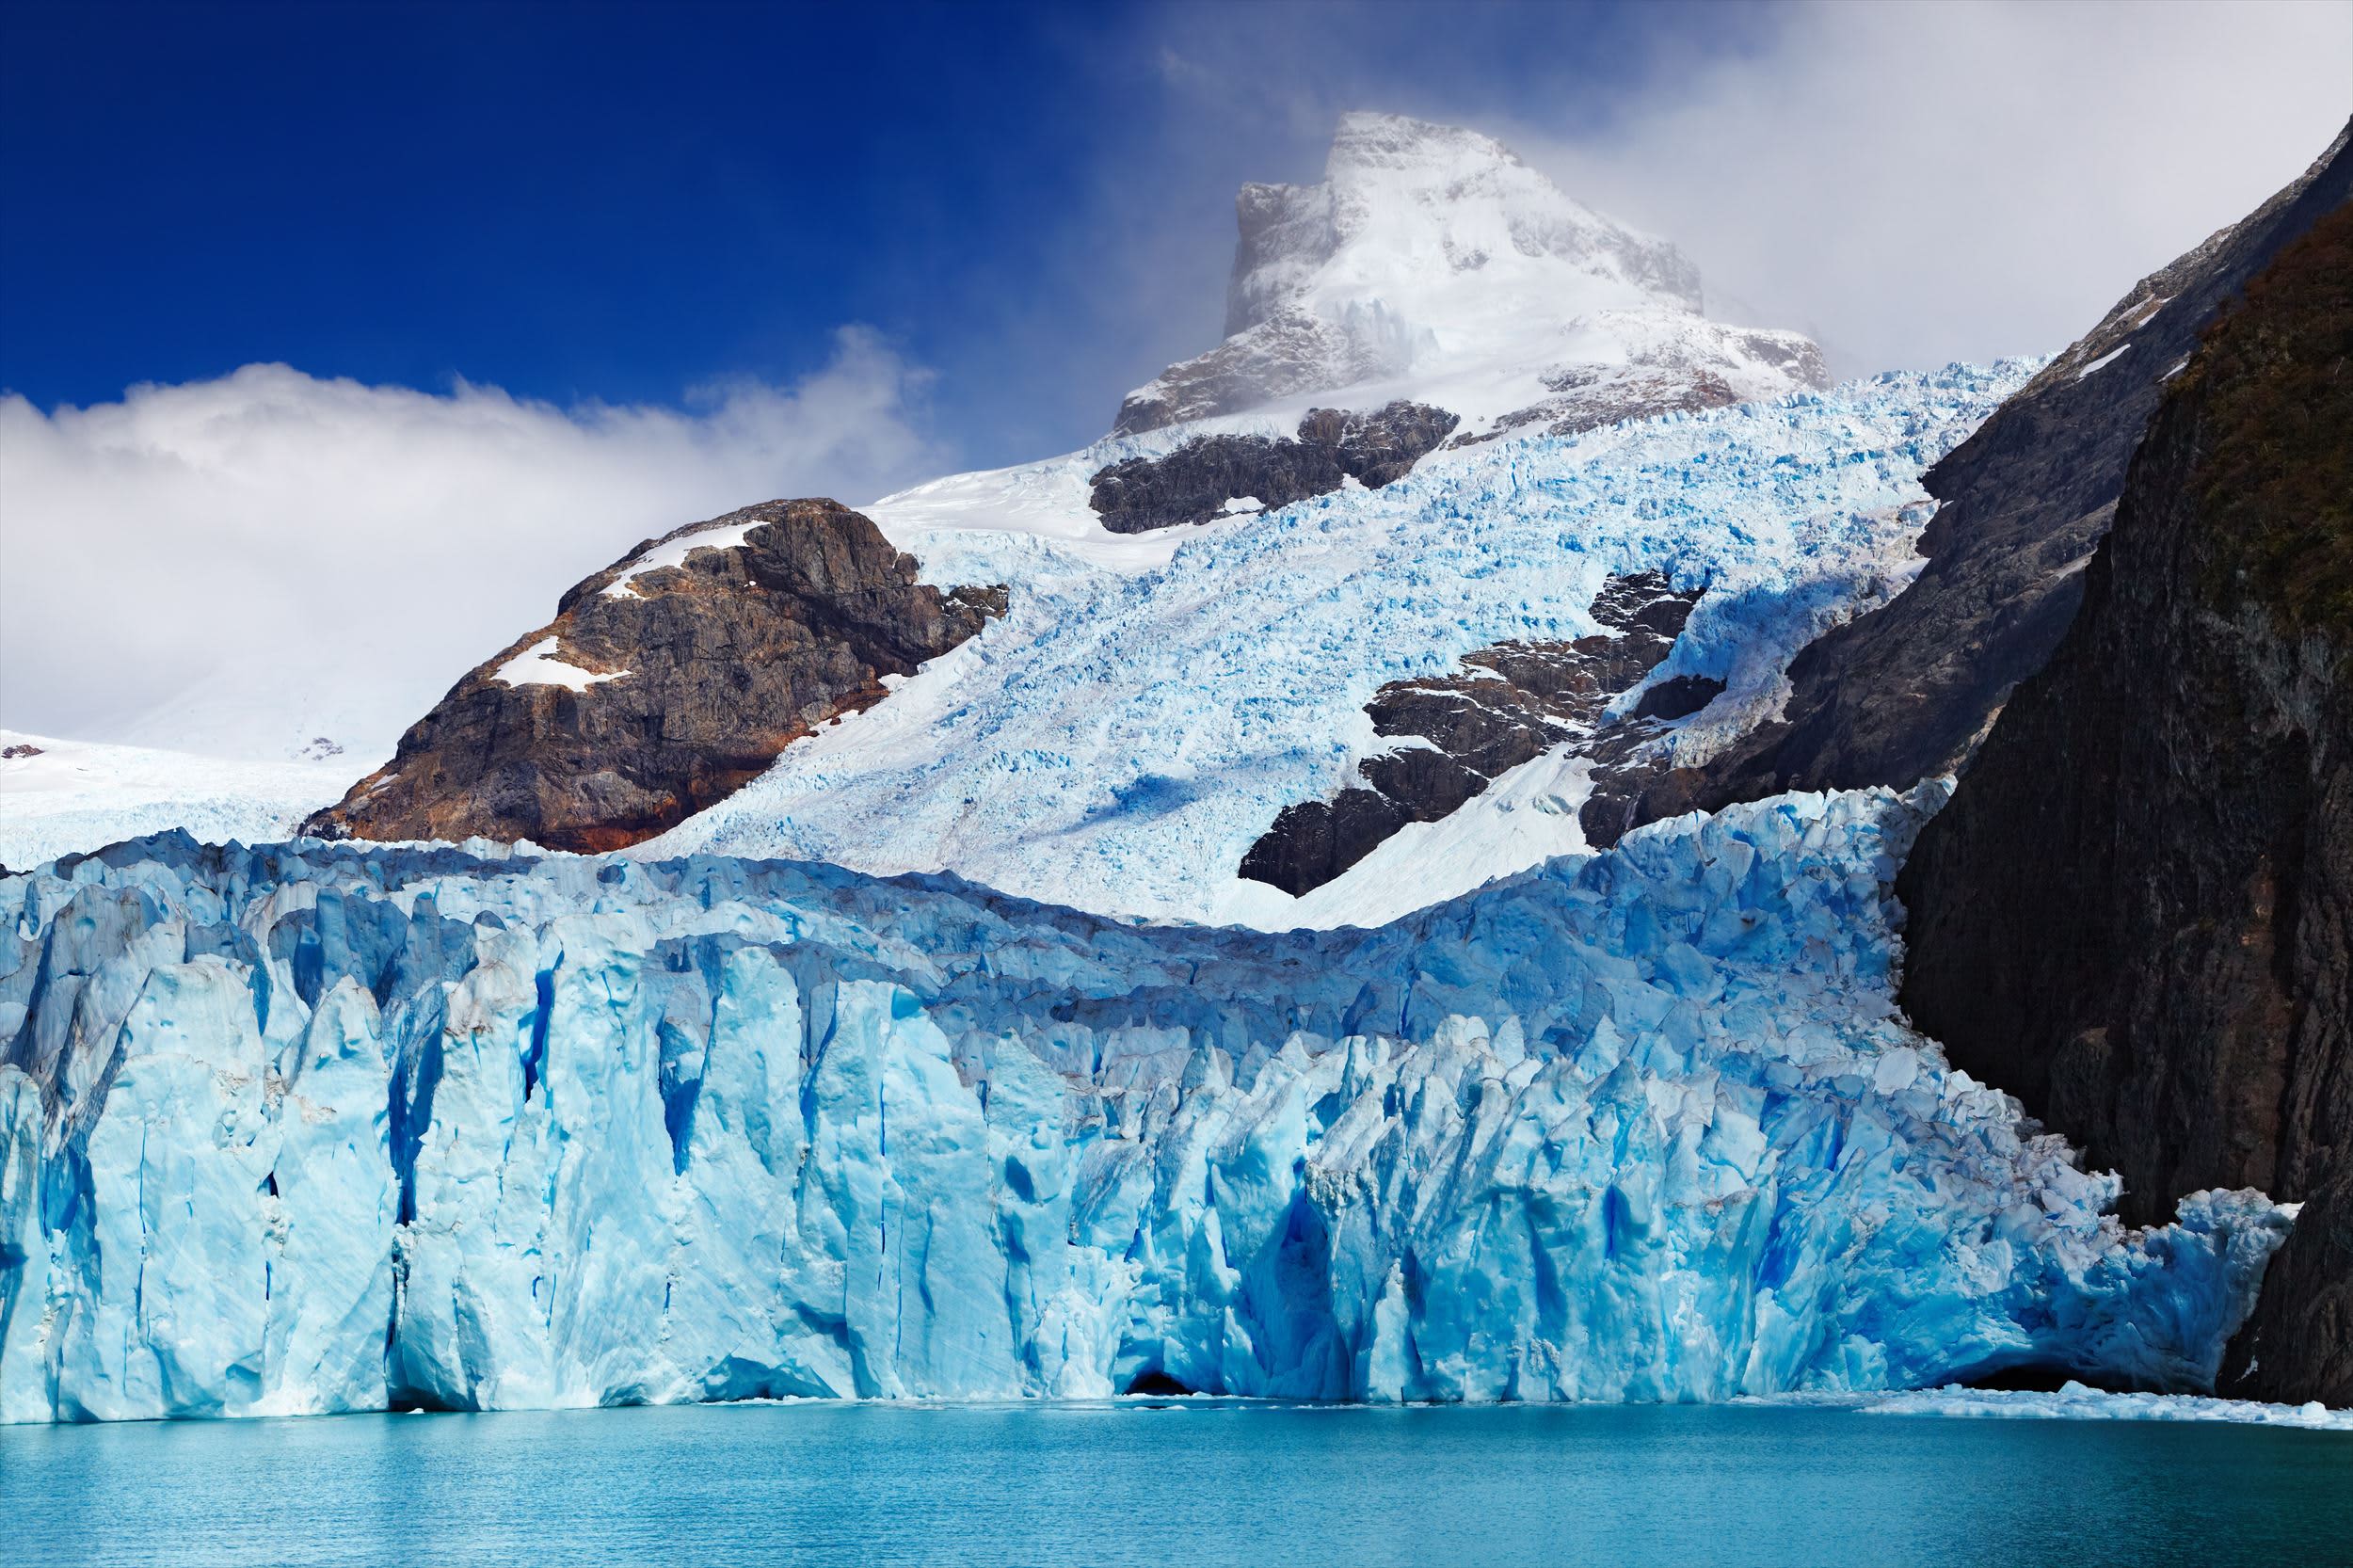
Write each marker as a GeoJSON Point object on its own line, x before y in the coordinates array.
{"type": "Point", "coordinates": [1432, 262]}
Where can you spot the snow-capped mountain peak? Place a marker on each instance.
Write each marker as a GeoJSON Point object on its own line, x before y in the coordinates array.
{"type": "Point", "coordinates": [1432, 263]}
{"type": "Point", "coordinates": [1407, 208]}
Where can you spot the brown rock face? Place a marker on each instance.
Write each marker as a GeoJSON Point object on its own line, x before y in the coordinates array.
{"type": "Point", "coordinates": [1517, 701]}
{"type": "Point", "coordinates": [2137, 912]}
{"type": "Point", "coordinates": [703, 671]}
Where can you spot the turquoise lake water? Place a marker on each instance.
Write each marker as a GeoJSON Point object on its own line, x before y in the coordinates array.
{"type": "Point", "coordinates": [1181, 1483]}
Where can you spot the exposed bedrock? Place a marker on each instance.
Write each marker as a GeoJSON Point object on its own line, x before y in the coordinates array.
{"type": "Point", "coordinates": [1667, 377]}
{"type": "Point", "coordinates": [1514, 702]}
{"type": "Point", "coordinates": [2136, 913]}
{"type": "Point", "coordinates": [1907, 690]}
{"type": "Point", "coordinates": [665, 682]}
{"type": "Point", "coordinates": [1206, 478]}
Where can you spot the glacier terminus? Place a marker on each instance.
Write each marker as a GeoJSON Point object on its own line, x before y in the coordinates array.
{"type": "Point", "coordinates": [314, 1128]}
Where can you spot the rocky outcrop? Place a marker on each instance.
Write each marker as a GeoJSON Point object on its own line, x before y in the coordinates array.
{"type": "Point", "coordinates": [1626, 753]}
{"type": "Point", "coordinates": [2137, 912]}
{"type": "Point", "coordinates": [1907, 690]}
{"type": "Point", "coordinates": [1658, 378]}
{"type": "Point", "coordinates": [1516, 702]}
{"type": "Point", "coordinates": [666, 682]}
{"type": "Point", "coordinates": [1215, 476]}
{"type": "Point", "coordinates": [1293, 354]}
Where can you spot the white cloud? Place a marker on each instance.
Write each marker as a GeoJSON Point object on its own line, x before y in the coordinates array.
{"type": "Point", "coordinates": [235, 564]}
{"type": "Point", "coordinates": [1915, 183]}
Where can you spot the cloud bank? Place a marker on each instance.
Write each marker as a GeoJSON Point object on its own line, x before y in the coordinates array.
{"type": "Point", "coordinates": [235, 566]}
{"type": "Point", "coordinates": [1917, 184]}
{"type": "Point", "coordinates": [1908, 184]}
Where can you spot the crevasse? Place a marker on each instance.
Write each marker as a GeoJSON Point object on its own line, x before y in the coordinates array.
{"type": "Point", "coordinates": [307, 1128]}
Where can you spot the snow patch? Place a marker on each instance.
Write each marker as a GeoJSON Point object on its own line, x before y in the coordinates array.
{"type": "Point", "coordinates": [537, 665]}
{"type": "Point", "coordinates": [2103, 361]}
{"type": "Point", "coordinates": [1528, 815]}
{"type": "Point", "coordinates": [675, 554]}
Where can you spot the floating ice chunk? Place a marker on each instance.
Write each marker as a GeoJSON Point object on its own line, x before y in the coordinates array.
{"type": "Point", "coordinates": [2074, 1401]}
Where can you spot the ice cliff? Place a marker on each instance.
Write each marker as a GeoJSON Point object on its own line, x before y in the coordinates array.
{"type": "Point", "coordinates": [309, 1127]}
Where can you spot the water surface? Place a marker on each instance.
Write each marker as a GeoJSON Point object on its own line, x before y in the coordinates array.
{"type": "Point", "coordinates": [1174, 1482]}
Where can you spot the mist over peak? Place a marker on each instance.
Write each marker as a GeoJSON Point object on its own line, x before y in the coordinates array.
{"type": "Point", "coordinates": [1431, 261]}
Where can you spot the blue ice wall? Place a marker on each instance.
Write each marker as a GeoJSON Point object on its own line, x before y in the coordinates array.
{"type": "Point", "coordinates": [312, 1128]}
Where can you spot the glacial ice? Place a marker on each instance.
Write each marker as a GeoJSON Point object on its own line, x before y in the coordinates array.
{"type": "Point", "coordinates": [67, 797]}
{"type": "Point", "coordinates": [1150, 703]}
{"type": "Point", "coordinates": [1147, 706]}
{"type": "Point", "coordinates": [312, 1128]}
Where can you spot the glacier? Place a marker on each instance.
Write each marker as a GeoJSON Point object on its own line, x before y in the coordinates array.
{"type": "Point", "coordinates": [1149, 704]}
{"type": "Point", "coordinates": [67, 797]}
{"type": "Point", "coordinates": [311, 1127]}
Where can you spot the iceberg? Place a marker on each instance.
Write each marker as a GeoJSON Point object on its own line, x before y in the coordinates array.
{"type": "Point", "coordinates": [312, 1128]}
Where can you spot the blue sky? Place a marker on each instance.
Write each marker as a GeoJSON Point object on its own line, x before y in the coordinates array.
{"type": "Point", "coordinates": [1032, 204]}
{"type": "Point", "coordinates": [623, 203]}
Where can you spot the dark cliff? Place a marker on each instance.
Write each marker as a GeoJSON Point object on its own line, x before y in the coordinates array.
{"type": "Point", "coordinates": [1513, 703]}
{"type": "Point", "coordinates": [1200, 480]}
{"type": "Point", "coordinates": [689, 669]}
{"type": "Point", "coordinates": [1907, 691]}
{"type": "Point", "coordinates": [2137, 912]}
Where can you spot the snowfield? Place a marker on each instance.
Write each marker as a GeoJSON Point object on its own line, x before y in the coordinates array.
{"type": "Point", "coordinates": [1149, 704]}
{"type": "Point", "coordinates": [67, 798]}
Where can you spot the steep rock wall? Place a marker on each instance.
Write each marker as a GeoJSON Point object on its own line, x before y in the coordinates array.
{"type": "Point", "coordinates": [1204, 479]}
{"type": "Point", "coordinates": [1906, 691]}
{"type": "Point", "coordinates": [2138, 911]}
